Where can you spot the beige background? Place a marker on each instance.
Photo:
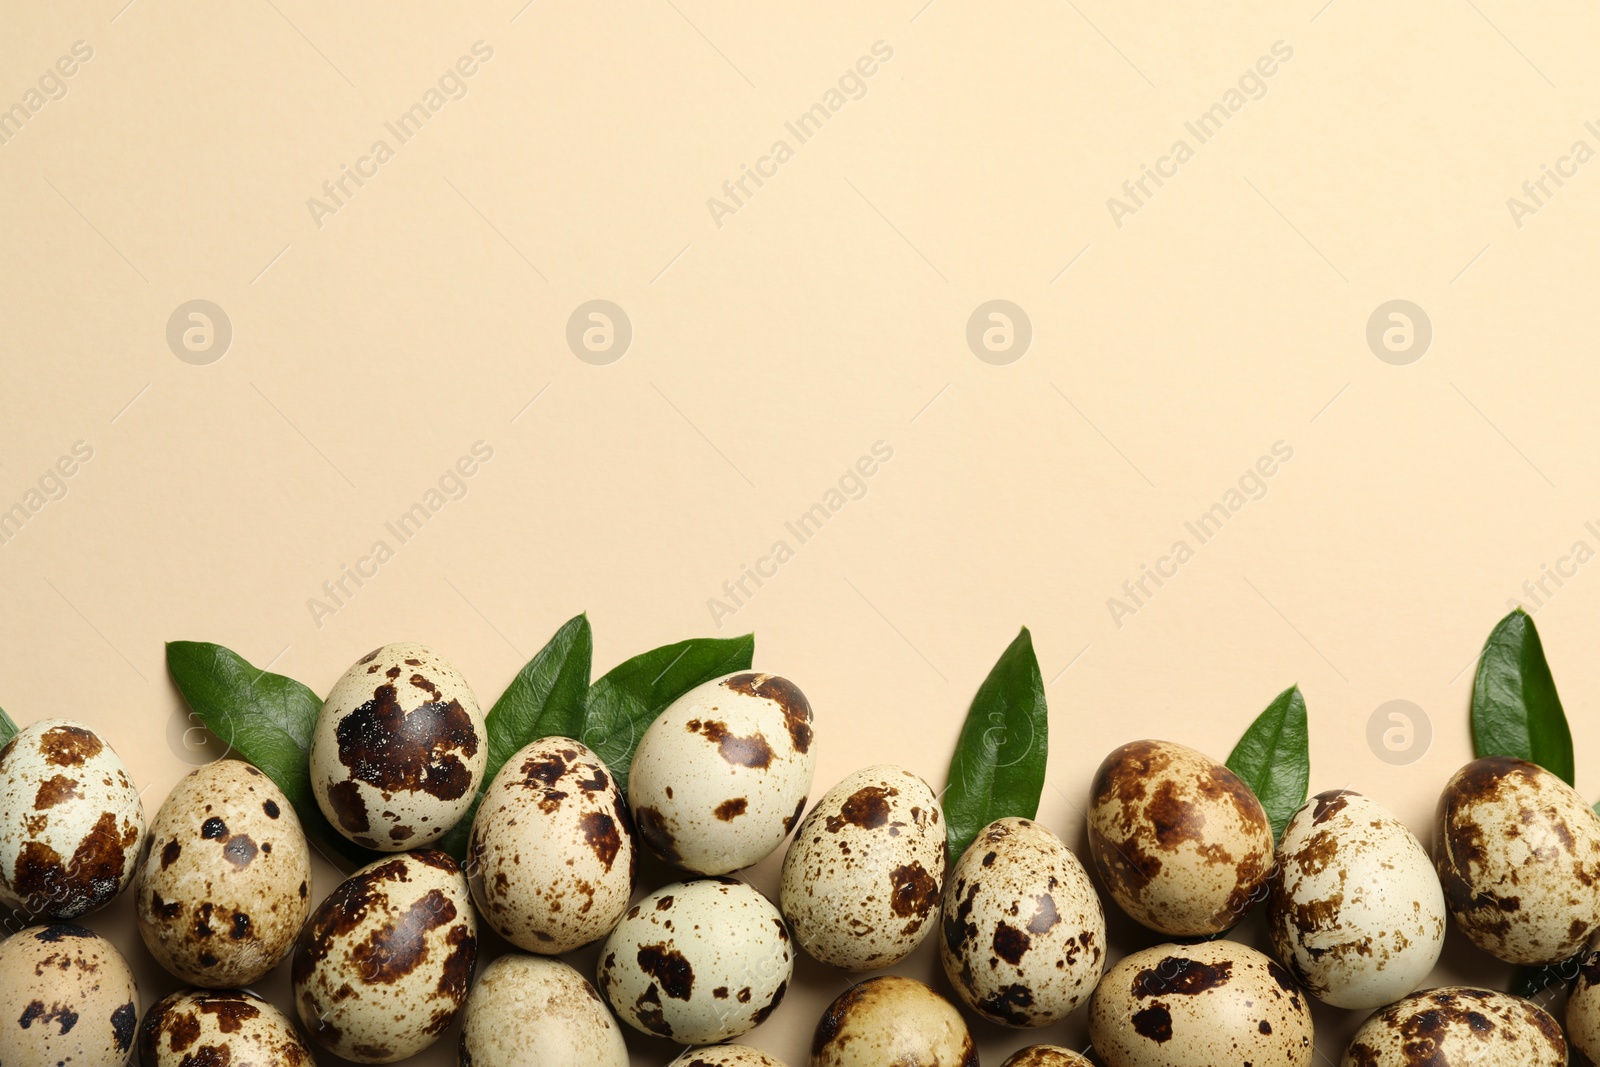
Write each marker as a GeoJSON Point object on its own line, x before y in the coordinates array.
{"type": "Point", "coordinates": [828, 313]}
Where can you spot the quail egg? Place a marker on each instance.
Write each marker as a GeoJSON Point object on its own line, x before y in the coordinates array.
{"type": "Point", "coordinates": [399, 750]}
{"type": "Point", "coordinates": [1180, 842]}
{"type": "Point", "coordinates": [66, 997]}
{"type": "Point", "coordinates": [721, 776]}
{"type": "Point", "coordinates": [71, 824]}
{"type": "Point", "coordinates": [1518, 854]}
{"type": "Point", "coordinates": [551, 853]}
{"type": "Point", "coordinates": [225, 888]}
{"type": "Point", "coordinates": [889, 1020]}
{"type": "Point", "coordinates": [1198, 1005]}
{"type": "Point", "coordinates": [1046, 1056]}
{"type": "Point", "coordinates": [532, 1011]}
{"type": "Point", "coordinates": [1024, 935]}
{"type": "Point", "coordinates": [698, 962]}
{"type": "Point", "coordinates": [726, 1056]}
{"type": "Point", "coordinates": [383, 966]}
{"type": "Point", "coordinates": [1458, 1027]}
{"type": "Point", "coordinates": [1583, 1013]}
{"type": "Point", "coordinates": [225, 1028]}
{"type": "Point", "coordinates": [861, 882]}
{"type": "Point", "coordinates": [1356, 912]}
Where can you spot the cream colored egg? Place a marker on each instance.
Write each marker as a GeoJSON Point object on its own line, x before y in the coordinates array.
{"type": "Point", "coordinates": [399, 751]}
{"type": "Point", "coordinates": [225, 888]}
{"type": "Point", "coordinates": [727, 1056]}
{"type": "Point", "coordinates": [1456, 1025]}
{"type": "Point", "coordinates": [71, 823]}
{"type": "Point", "coordinates": [1356, 913]}
{"type": "Point", "coordinates": [219, 1028]}
{"type": "Point", "coordinates": [862, 879]}
{"type": "Point", "coordinates": [722, 776]}
{"type": "Point", "coordinates": [383, 967]}
{"type": "Point", "coordinates": [1218, 1002]}
{"type": "Point", "coordinates": [532, 1011]}
{"type": "Point", "coordinates": [551, 859]}
{"type": "Point", "coordinates": [1583, 1013]}
{"type": "Point", "coordinates": [1024, 935]}
{"type": "Point", "coordinates": [892, 1020]}
{"type": "Point", "coordinates": [1046, 1056]}
{"type": "Point", "coordinates": [66, 998]}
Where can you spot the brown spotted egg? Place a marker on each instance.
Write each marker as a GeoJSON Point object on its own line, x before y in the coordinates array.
{"type": "Point", "coordinates": [721, 776]}
{"type": "Point", "coordinates": [71, 823]}
{"type": "Point", "coordinates": [1217, 1002]}
{"type": "Point", "coordinates": [698, 962]}
{"type": "Point", "coordinates": [1046, 1056]}
{"type": "Point", "coordinates": [1583, 1013]}
{"type": "Point", "coordinates": [726, 1056]}
{"type": "Point", "coordinates": [551, 857]}
{"type": "Point", "coordinates": [892, 1020]}
{"type": "Point", "coordinates": [1180, 842]}
{"type": "Point", "coordinates": [399, 750]}
{"type": "Point", "coordinates": [66, 997]}
{"type": "Point", "coordinates": [225, 1028]}
{"type": "Point", "coordinates": [861, 882]}
{"type": "Point", "coordinates": [532, 1011]}
{"type": "Point", "coordinates": [225, 888]}
{"type": "Point", "coordinates": [1355, 912]}
{"type": "Point", "coordinates": [1455, 1025]}
{"type": "Point", "coordinates": [1024, 934]}
{"type": "Point", "coordinates": [383, 967]}
{"type": "Point", "coordinates": [1518, 854]}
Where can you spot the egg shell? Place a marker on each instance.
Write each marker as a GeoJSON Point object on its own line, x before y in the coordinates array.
{"type": "Point", "coordinates": [551, 858]}
{"type": "Point", "coordinates": [71, 822]}
{"type": "Point", "coordinates": [225, 888]}
{"type": "Point", "coordinates": [1024, 934]}
{"type": "Point", "coordinates": [1518, 853]}
{"type": "Point", "coordinates": [1583, 1013]}
{"type": "Point", "coordinates": [1217, 1002]}
{"type": "Point", "coordinates": [1355, 913]}
{"type": "Point", "coordinates": [202, 1027]}
{"type": "Point", "coordinates": [892, 1020]}
{"type": "Point", "coordinates": [1046, 1056]}
{"type": "Point", "coordinates": [727, 1056]}
{"type": "Point", "coordinates": [698, 962]}
{"type": "Point", "coordinates": [383, 966]}
{"type": "Point", "coordinates": [399, 751]}
{"type": "Point", "coordinates": [532, 1011]}
{"type": "Point", "coordinates": [862, 879]}
{"type": "Point", "coordinates": [1180, 842]}
{"type": "Point", "coordinates": [722, 776]}
{"type": "Point", "coordinates": [66, 997]}
{"type": "Point", "coordinates": [1457, 1025]}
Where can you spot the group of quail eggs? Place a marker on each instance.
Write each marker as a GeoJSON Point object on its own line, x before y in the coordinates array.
{"type": "Point", "coordinates": [385, 964]}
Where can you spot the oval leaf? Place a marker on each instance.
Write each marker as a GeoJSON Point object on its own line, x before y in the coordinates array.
{"type": "Point", "coordinates": [1274, 758]}
{"type": "Point", "coordinates": [8, 729]}
{"type": "Point", "coordinates": [998, 768]}
{"type": "Point", "coordinates": [1515, 709]}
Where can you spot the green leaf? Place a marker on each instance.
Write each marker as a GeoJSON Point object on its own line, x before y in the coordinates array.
{"type": "Point", "coordinates": [1274, 758]}
{"type": "Point", "coordinates": [266, 718]}
{"type": "Point", "coordinates": [998, 768]}
{"type": "Point", "coordinates": [623, 703]}
{"type": "Point", "coordinates": [545, 699]}
{"type": "Point", "coordinates": [8, 729]}
{"type": "Point", "coordinates": [1515, 709]}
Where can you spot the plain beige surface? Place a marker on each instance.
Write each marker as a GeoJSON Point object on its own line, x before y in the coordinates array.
{"type": "Point", "coordinates": [376, 340]}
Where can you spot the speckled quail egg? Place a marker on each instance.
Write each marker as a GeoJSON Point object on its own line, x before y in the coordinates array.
{"type": "Point", "coordinates": [399, 750]}
{"type": "Point", "coordinates": [726, 1056]}
{"type": "Point", "coordinates": [1179, 841]}
{"type": "Point", "coordinates": [383, 966]}
{"type": "Point", "coordinates": [1024, 934]}
{"type": "Point", "coordinates": [551, 859]}
{"type": "Point", "coordinates": [890, 1019]}
{"type": "Point", "coordinates": [225, 888]}
{"type": "Point", "coordinates": [698, 962]}
{"type": "Point", "coordinates": [1356, 912]}
{"type": "Point", "coordinates": [1518, 853]}
{"type": "Point", "coordinates": [721, 776]}
{"type": "Point", "coordinates": [66, 997]}
{"type": "Point", "coordinates": [1046, 1056]}
{"type": "Point", "coordinates": [1458, 1027]}
{"type": "Point", "coordinates": [1583, 1013]}
{"type": "Point", "coordinates": [532, 1011]}
{"type": "Point", "coordinates": [225, 1028]}
{"type": "Point", "coordinates": [71, 823]}
{"type": "Point", "coordinates": [1200, 1005]}
{"type": "Point", "coordinates": [861, 882]}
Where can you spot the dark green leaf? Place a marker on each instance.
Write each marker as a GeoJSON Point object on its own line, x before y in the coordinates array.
{"type": "Point", "coordinates": [266, 718]}
{"type": "Point", "coordinates": [998, 768]}
{"type": "Point", "coordinates": [1515, 709]}
{"type": "Point", "coordinates": [8, 729]}
{"type": "Point", "coordinates": [630, 696]}
{"type": "Point", "coordinates": [1531, 981]}
{"type": "Point", "coordinates": [1274, 758]}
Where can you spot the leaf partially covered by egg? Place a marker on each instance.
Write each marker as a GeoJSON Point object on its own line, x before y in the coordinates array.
{"type": "Point", "coordinates": [8, 729]}
{"type": "Point", "coordinates": [1515, 709]}
{"type": "Point", "coordinates": [1274, 758]}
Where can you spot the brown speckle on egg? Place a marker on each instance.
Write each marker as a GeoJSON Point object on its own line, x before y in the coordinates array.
{"type": "Point", "coordinates": [1456, 1024]}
